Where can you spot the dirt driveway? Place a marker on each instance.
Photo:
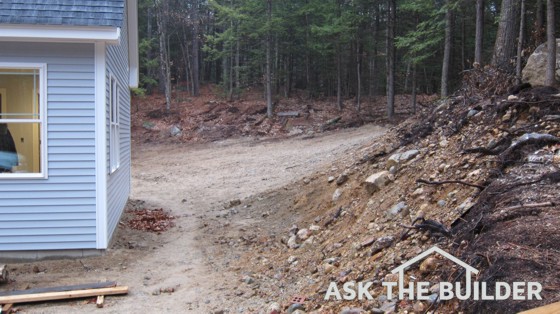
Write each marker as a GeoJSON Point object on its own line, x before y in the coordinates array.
{"type": "Point", "coordinates": [195, 183]}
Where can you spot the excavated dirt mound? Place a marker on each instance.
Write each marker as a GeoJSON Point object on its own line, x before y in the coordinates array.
{"type": "Point", "coordinates": [476, 176]}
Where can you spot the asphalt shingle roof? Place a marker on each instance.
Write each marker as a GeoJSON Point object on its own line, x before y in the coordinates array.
{"type": "Point", "coordinates": [63, 12]}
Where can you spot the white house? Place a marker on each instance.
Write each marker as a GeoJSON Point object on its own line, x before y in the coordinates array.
{"type": "Point", "coordinates": [65, 71]}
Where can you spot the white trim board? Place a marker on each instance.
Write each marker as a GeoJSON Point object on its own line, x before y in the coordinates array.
{"type": "Point", "coordinates": [100, 146]}
{"type": "Point", "coordinates": [133, 59]}
{"type": "Point", "coordinates": [59, 33]}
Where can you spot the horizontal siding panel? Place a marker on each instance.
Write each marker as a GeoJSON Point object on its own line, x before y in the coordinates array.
{"type": "Point", "coordinates": [45, 195]}
{"type": "Point", "coordinates": [72, 98]}
{"type": "Point", "coordinates": [71, 142]}
{"type": "Point", "coordinates": [69, 76]}
{"type": "Point", "coordinates": [66, 121]}
{"type": "Point", "coordinates": [67, 105]}
{"type": "Point", "coordinates": [71, 172]}
{"type": "Point", "coordinates": [72, 165]}
{"type": "Point", "coordinates": [72, 135]}
{"type": "Point", "coordinates": [72, 113]}
{"type": "Point", "coordinates": [47, 218]}
{"type": "Point", "coordinates": [47, 238]}
{"type": "Point", "coordinates": [88, 68]}
{"type": "Point", "coordinates": [42, 209]}
{"type": "Point", "coordinates": [46, 231]}
{"type": "Point", "coordinates": [70, 90]}
{"type": "Point", "coordinates": [70, 83]}
{"type": "Point", "coordinates": [70, 127]}
{"type": "Point", "coordinates": [50, 246]}
{"type": "Point", "coordinates": [71, 157]}
{"type": "Point", "coordinates": [72, 150]}
{"type": "Point", "coordinates": [52, 187]}
{"type": "Point", "coordinates": [32, 224]}
{"type": "Point", "coordinates": [58, 60]}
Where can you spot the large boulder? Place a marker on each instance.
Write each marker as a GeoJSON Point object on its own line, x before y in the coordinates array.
{"type": "Point", "coordinates": [535, 70]}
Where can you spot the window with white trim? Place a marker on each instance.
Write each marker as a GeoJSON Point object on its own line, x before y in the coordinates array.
{"type": "Point", "coordinates": [114, 145]}
{"type": "Point", "coordinates": [22, 121]}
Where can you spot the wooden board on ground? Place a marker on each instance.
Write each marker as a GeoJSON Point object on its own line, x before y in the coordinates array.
{"type": "Point", "coordinates": [288, 114]}
{"type": "Point", "coordinates": [51, 296]}
{"type": "Point", "coordinates": [3, 274]}
{"type": "Point", "coordinates": [7, 308]}
{"type": "Point", "coordinates": [553, 308]}
{"type": "Point", "coordinates": [96, 285]}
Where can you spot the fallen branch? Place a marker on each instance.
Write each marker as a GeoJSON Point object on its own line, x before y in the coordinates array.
{"type": "Point", "coordinates": [536, 205]}
{"type": "Point", "coordinates": [450, 181]}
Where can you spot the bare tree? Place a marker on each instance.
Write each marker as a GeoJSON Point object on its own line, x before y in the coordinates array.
{"type": "Point", "coordinates": [162, 18]}
{"type": "Point", "coordinates": [521, 41]}
{"type": "Point", "coordinates": [195, 48]}
{"type": "Point", "coordinates": [479, 40]}
{"type": "Point", "coordinates": [504, 48]}
{"type": "Point", "coordinates": [268, 74]}
{"type": "Point", "coordinates": [550, 79]}
{"type": "Point", "coordinates": [391, 19]}
{"type": "Point", "coordinates": [446, 52]}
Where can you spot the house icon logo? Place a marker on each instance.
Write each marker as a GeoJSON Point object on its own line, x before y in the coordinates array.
{"type": "Point", "coordinates": [462, 291]}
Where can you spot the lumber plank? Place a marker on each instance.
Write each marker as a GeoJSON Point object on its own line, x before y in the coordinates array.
{"type": "Point", "coordinates": [553, 308]}
{"type": "Point", "coordinates": [62, 295]}
{"type": "Point", "coordinates": [7, 308]}
{"type": "Point", "coordinates": [100, 301]}
{"type": "Point", "coordinates": [96, 285]}
{"type": "Point", "coordinates": [3, 274]}
{"type": "Point", "coordinates": [288, 114]}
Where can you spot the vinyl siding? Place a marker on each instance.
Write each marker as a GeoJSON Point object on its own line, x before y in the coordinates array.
{"type": "Point", "coordinates": [59, 212]}
{"type": "Point", "coordinates": [118, 182]}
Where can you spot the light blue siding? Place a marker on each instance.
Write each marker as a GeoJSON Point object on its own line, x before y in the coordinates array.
{"type": "Point", "coordinates": [118, 183]}
{"type": "Point", "coordinates": [59, 212]}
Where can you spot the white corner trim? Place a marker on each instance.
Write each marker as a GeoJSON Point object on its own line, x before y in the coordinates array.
{"type": "Point", "coordinates": [59, 33]}
{"type": "Point", "coordinates": [100, 146]}
{"type": "Point", "coordinates": [133, 59]}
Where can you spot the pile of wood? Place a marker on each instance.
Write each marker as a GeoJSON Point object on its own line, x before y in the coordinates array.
{"type": "Point", "coordinates": [99, 290]}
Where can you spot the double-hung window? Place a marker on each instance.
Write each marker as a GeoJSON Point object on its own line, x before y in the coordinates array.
{"type": "Point", "coordinates": [22, 121]}
{"type": "Point", "coordinates": [114, 137]}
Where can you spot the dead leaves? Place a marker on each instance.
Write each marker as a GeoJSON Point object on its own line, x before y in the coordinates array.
{"type": "Point", "coordinates": [150, 220]}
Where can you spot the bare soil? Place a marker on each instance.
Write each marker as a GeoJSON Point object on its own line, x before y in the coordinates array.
{"type": "Point", "coordinates": [215, 191]}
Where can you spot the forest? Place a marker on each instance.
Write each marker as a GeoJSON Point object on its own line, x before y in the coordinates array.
{"type": "Point", "coordinates": [345, 49]}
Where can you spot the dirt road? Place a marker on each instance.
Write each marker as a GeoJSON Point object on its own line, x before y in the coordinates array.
{"type": "Point", "coordinates": [194, 183]}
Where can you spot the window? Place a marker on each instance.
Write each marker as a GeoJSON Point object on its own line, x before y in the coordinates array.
{"type": "Point", "coordinates": [114, 145]}
{"type": "Point", "coordinates": [22, 121]}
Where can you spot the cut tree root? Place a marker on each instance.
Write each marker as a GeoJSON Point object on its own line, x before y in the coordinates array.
{"type": "Point", "coordinates": [512, 153]}
{"type": "Point", "coordinates": [426, 224]}
{"type": "Point", "coordinates": [450, 182]}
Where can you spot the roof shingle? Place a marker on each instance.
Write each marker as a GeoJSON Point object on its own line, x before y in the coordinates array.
{"type": "Point", "coordinates": [63, 12]}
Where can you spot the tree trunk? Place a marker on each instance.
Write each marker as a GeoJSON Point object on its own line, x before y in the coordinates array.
{"type": "Point", "coordinates": [521, 41]}
{"type": "Point", "coordinates": [338, 78]}
{"type": "Point", "coordinates": [551, 43]}
{"type": "Point", "coordinates": [358, 76]}
{"type": "Point", "coordinates": [504, 48]}
{"type": "Point", "coordinates": [195, 50]}
{"type": "Point", "coordinates": [539, 23]}
{"type": "Point", "coordinates": [446, 53]}
{"type": "Point", "coordinates": [413, 98]}
{"type": "Point", "coordinates": [269, 109]}
{"type": "Point", "coordinates": [479, 40]}
{"type": "Point", "coordinates": [373, 61]}
{"type": "Point", "coordinates": [161, 17]}
{"type": "Point", "coordinates": [391, 19]}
